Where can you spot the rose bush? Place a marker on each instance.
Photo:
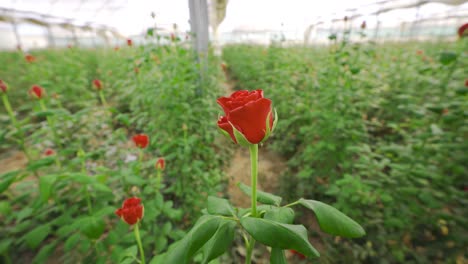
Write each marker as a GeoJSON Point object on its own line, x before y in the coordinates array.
{"type": "Point", "coordinates": [249, 113]}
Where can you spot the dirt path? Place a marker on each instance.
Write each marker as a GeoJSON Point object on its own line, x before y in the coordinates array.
{"type": "Point", "coordinates": [12, 160]}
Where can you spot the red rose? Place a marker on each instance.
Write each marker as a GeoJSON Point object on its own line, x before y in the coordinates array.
{"type": "Point", "coordinates": [160, 164]}
{"type": "Point", "coordinates": [131, 211]}
{"type": "Point", "coordinates": [462, 31]}
{"type": "Point", "coordinates": [49, 152]}
{"type": "Point", "coordinates": [37, 91]}
{"type": "Point", "coordinates": [247, 112]}
{"type": "Point", "coordinates": [97, 84]}
{"type": "Point", "coordinates": [3, 86]}
{"type": "Point", "coordinates": [129, 42]}
{"type": "Point", "coordinates": [30, 58]}
{"type": "Point", "coordinates": [141, 140]}
{"type": "Point", "coordinates": [466, 83]}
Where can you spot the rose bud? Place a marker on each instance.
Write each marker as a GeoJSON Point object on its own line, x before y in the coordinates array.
{"type": "Point", "coordinates": [30, 58]}
{"type": "Point", "coordinates": [37, 92]}
{"type": "Point", "coordinates": [173, 37]}
{"type": "Point", "coordinates": [129, 42]}
{"type": "Point", "coordinates": [160, 164]}
{"type": "Point", "coordinates": [462, 31]}
{"type": "Point", "coordinates": [49, 152]}
{"type": "Point", "coordinates": [132, 211]}
{"type": "Point", "coordinates": [97, 84]}
{"type": "Point", "coordinates": [136, 70]}
{"type": "Point", "coordinates": [3, 86]}
{"type": "Point", "coordinates": [466, 83]}
{"type": "Point", "coordinates": [224, 67]}
{"type": "Point", "coordinates": [249, 117]}
{"type": "Point", "coordinates": [141, 140]}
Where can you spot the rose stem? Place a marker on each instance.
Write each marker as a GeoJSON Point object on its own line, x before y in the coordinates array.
{"type": "Point", "coordinates": [138, 239]}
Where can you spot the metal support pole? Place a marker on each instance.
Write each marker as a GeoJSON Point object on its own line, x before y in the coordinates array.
{"type": "Point", "coordinates": [199, 28]}
{"type": "Point", "coordinates": [17, 35]}
{"type": "Point", "coordinates": [50, 37]}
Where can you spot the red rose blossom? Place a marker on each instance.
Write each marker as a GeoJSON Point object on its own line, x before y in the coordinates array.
{"type": "Point", "coordinates": [3, 86]}
{"type": "Point", "coordinates": [160, 164]}
{"type": "Point", "coordinates": [141, 140]}
{"type": "Point", "coordinates": [49, 152]}
{"type": "Point", "coordinates": [129, 42]}
{"type": "Point", "coordinates": [462, 31]}
{"type": "Point", "coordinates": [37, 92]}
{"type": "Point", "coordinates": [131, 211]}
{"type": "Point", "coordinates": [247, 112]}
{"type": "Point", "coordinates": [29, 58]}
{"type": "Point", "coordinates": [97, 84]}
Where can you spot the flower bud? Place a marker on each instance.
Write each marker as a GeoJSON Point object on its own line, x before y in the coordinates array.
{"type": "Point", "coordinates": [37, 92]}
{"type": "Point", "coordinates": [97, 84]}
{"type": "Point", "coordinates": [3, 86]}
{"type": "Point", "coordinates": [160, 164]}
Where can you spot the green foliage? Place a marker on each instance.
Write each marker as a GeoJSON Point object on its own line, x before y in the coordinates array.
{"type": "Point", "coordinates": [376, 130]}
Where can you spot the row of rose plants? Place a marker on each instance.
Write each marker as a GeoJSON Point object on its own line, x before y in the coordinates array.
{"type": "Point", "coordinates": [76, 128]}
{"type": "Point", "coordinates": [376, 130]}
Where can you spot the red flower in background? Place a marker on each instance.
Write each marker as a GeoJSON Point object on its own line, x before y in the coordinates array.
{"type": "Point", "coordinates": [247, 112]}
{"type": "Point", "coordinates": [160, 164]}
{"type": "Point", "coordinates": [141, 140]}
{"type": "Point", "coordinates": [129, 42]}
{"type": "Point", "coordinates": [173, 37]}
{"type": "Point", "coordinates": [136, 70]}
{"type": "Point", "coordinates": [462, 31]}
{"type": "Point", "coordinates": [30, 58]}
{"type": "Point", "coordinates": [37, 91]}
{"type": "Point", "coordinates": [131, 211]}
{"type": "Point", "coordinates": [298, 254]}
{"type": "Point", "coordinates": [49, 152]}
{"type": "Point", "coordinates": [97, 84]}
{"type": "Point", "coordinates": [466, 83]}
{"type": "Point", "coordinates": [224, 67]}
{"type": "Point", "coordinates": [3, 86]}
{"type": "Point", "coordinates": [116, 48]}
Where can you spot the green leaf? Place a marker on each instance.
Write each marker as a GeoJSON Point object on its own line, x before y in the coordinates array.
{"type": "Point", "coordinates": [71, 242]}
{"type": "Point", "coordinates": [220, 242]}
{"type": "Point", "coordinates": [277, 256]}
{"type": "Point", "coordinates": [447, 57]}
{"type": "Point", "coordinates": [262, 197]}
{"type": "Point", "coordinates": [278, 235]}
{"type": "Point", "coordinates": [80, 178]}
{"type": "Point", "coordinates": [333, 221]}
{"type": "Point", "coordinates": [45, 253]}
{"type": "Point", "coordinates": [7, 179]}
{"type": "Point", "coordinates": [37, 164]}
{"type": "Point", "coordinates": [35, 237]}
{"type": "Point", "coordinates": [92, 227]}
{"type": "Point", "coordinates": [182, 251]}
{"type": "Point", "coordinates": [130, 252]}
{"type": "Point", "coordinates": [219, 206]}
{"type": "Point", "coordinates": [5, 245]}
{"type": "Point", "coordinates": [283, 215]}
{"type": "Point", "coordinates": [45, 186]}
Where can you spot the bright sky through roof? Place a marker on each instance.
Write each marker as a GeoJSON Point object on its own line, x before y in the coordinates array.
{"type": "Point", "coordinates": [132, 17]}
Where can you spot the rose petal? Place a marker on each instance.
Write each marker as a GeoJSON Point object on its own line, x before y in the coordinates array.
{"type": "Point", "coordinates": [250, 119]}
{"type": "Point", "coordinates": [224, 124]}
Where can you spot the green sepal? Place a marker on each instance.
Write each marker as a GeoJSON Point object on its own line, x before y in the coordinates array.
{"type": "Point", "coordinates": [240, 138]}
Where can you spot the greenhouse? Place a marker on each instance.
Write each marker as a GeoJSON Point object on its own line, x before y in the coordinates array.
{"type": "Point", "coordinates": [225, 132]}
